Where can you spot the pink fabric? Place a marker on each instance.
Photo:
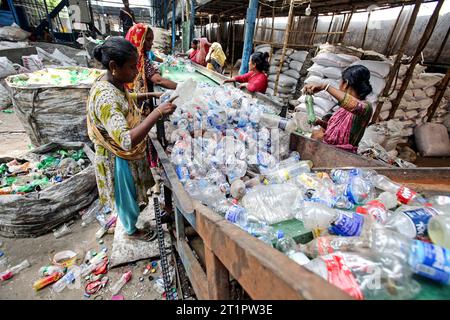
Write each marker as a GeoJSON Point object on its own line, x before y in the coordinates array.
{"type": "Point", "coordinates": [199, 55]}
{"type": "Point", "coordinates": [338, 130]}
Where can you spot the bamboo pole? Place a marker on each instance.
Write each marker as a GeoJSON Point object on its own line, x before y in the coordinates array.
{"type": "Point", "coordinates": [313, 33]}
{"type": "Point", "coordinates": [329, 28]}
{"type": "Point", "coordinates": [388, 44]}
{"type": "Point", "coordinates": [347, 24]}
{"type": "Point", "coordinates": [257, 26]}
{"type": "Point", "coordinates": [341, 28]}
{"type": "Point", "coordinates": [393, 71]}
{"type": "Point", "coordinates": [297, 30]}
{"type": "Point", "coordinates": [286, 38]}
{"type": "Point", "coordinates": [442, 46]}
{"type": "Point", "coordinates": [365, 30]}
{"type": "Point", "coordinates": [232, 48]}
{"type": "Point", "coordinates": [271, 35]}
{"type": "Point", "coordinates": [423, 42]}
{"type": "Point", "coordinates": [438, 95]}
{"type": "Point", "coordinates": [280, 45]}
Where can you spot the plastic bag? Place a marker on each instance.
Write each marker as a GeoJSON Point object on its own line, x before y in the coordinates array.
{"type": "Point", "coordinates": [13, 33]}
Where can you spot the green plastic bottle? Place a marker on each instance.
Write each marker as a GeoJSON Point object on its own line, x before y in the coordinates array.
{"type": "Point", "coordinates": [310, 109]}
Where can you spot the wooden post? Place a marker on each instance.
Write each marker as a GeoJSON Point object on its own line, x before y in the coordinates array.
{"type": "Point", "coordinates": [210, 28]}
{"type": "Point", "coordinates": [438, 95]}
{"type": "Point", "coordinates": [232, 48]}
{"type": "Point", "coordinates": [257, 27]}
{"type": "Point", "coordinates": [398, 59]}
{"type": "Point", "coordinates": [365, 30]}
{"type": "Point", "coordinates": [271, 35]}
{"type": "Point", "coordinates": [442, 46]}
{"type": "Point", "coordinates": [218, 277]}
{"type": "Point", "coordinates": [286, 38]}
{"type": "Point", "coordinates": [295, 40]}
{"type": "Point", "coordinates": [219, 30]}
{"type": "Point", "coordinates": [341, 29]}
{"type": "Point", "coordinates": [423, 42]}
{"type": "Point", "coordinates": [329, 27]}
{"type": "Point", "coordinates": [388, 44]}
{"type": "Point", "coordinates": [347, 24]}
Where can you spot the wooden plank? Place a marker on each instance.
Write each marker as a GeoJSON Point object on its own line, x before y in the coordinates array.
{"type": "Point", "coordinates": [422, 44]}
{"type": "Point", "coordinates": [329, 28]}
{"type": "Point", "coordinates": [263, 272]}
{"type": "Point", "coordinates": [347, 23]}
{"type": "Point", "coordinates": [441, 88]}
{"type": "Point", "coordinates": [324, 155]}
{"type": "Point", "coordinates": [365, 30]}
{"type": "Point", "coordinates": [194, 271]}
{"type": "Point", "coordinates": [286, 41]}
{"type": "Point", "coordinates": [196, 243]}
{"type": "Point", "coordinates": [444, 42]}
{"type": "Point", "coordinates": [391, 35]}
{"type": "Point", "coordinates": [393, 71]}
{"type": "Point", "coordinates": [218, 277]}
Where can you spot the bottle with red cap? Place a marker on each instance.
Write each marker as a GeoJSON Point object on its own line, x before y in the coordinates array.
{"type": "Point", "coordinates": [379, 208]}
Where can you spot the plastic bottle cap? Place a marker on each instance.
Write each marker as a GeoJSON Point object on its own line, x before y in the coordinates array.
{"type": "Point", "coordinates": [361, 210]}
{"type": "Point", "coordinates": [235, 201]}
{"type": "Point", "coordinates": [280, 234]}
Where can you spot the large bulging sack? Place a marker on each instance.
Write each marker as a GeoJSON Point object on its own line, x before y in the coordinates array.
{"type": "Point", "coordinates": [432, 140]}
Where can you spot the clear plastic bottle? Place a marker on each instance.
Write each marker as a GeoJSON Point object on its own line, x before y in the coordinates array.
{"type": "Point", "coordinates": [72, 275]}
{"type": "Point", "coordinates": [359, 190]}
{"type": "Point", "coordinates": [317, 215]}
{"type": "Point", "coordinates": [11, 272]}
{"type": "Point", "coordinates": [329, 244]}
{"type": "Point", "coordinates": [376, 209]}
{"type": "Point", "coordinates": [341, 176]}
{"type": "Point", "coordinates": [299, 257]}
{"type": "Point", "coordinates": [89, 215]}
{"type": "Point", "coordinates": [49, 270]}
{"type": "Point", "coordinates": [404, 194]}
{"type": "Point", "coordinates": [62, 231]}
{"type": "Point", "coordinates": [288, 172]}
{"type": "Point", "coordinates": [124, 279]}
{"type": "Point", "coordinates": [237, 215]}
{"type": "Point", "coordinates": [439, 230]}
{"type": "Point", "coordinates": [367, 275]}
{"type": "Point", "coordinates": [284, 243]}
{"type": "Point", "coordinates": [237, 189]}
{"type": "Point", "coordinates": [4, 261]}
{"type": "Point", "coordinates": [411, 222]}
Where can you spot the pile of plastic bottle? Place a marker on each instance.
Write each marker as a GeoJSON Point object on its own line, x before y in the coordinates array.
{"type": "Point", "coordinates": [21, 176]}
{"type": "Point", "coordinates": [373, 238]}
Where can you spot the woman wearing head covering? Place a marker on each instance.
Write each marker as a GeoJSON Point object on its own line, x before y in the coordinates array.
{"type": "Point", "coordinates": [346, 127]}
{"type": "Point", "coordinates": [141, 36]}
{"type": "Point", "coordinates": [119, 130]}
{"type": "Point", "coordinates": [216, 58]}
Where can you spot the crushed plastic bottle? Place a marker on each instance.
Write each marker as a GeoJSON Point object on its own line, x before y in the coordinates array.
{"type": "Point", "coordinates": [366, 275]}
{"type": "Point", "coordinates": [124, 279]}
{"type": "Point", "coordinates": [62, 231]}
{"type": "Point", "coordinates": [11, 272]}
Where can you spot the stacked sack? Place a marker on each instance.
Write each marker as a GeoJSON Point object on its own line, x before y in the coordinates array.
{"type": "Point", "coordinates": [162, 41]}
{"type": "Point", "coordinates": [327, 68]}
{"type": "Point", "coordinates": [290, 73]}
{"type": "Point", "coordinates": [442, 112]}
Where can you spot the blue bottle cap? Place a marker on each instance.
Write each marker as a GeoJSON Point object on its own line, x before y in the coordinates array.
{"type": "Point", "coordinates": [280, 234]}
{"type": "Point", "coordinates": [2, 254]}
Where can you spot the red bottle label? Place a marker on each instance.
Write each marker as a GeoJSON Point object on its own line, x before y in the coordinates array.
{"type": "Point", "coordinates": [341, 276]}
{"type": "Point", "coordinates": [404, 195]}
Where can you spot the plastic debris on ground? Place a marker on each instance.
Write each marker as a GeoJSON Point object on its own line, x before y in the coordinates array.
{"type": "Point", "coordinates": [21, 176]}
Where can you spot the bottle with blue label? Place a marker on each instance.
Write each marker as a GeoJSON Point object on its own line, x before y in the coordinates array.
{"type": "Point", "coordinates": [412, 222]}
{"type": "Point", "coordinates": [430, 261]}
{"type": "Point", "coordinates": [351, 224]}
{"type": "Point", "coordinates": [237, 215]}
{"type": "Point", "coordinates": [284, 243]}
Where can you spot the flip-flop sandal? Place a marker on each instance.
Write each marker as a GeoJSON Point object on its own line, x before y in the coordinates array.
{"type": "Point", "coordinates": [102, 269]}
{"type": "Point", "coordinates": [94, 286]}
{"type": "Point", "coordinates": [148, 237]}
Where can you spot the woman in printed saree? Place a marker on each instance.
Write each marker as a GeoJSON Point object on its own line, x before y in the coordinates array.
{"type": "Point", "coordinates": [346, 127]}
{"type": "Point", "coordinates": [119, 131]}
{"type": "Point", "coordinates": [216, 58]}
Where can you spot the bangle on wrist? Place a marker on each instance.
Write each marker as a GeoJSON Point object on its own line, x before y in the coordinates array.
{"type": "Point", "coordinates": [326, 87]}
{"type": "Point", "coordinates": [159, 110]}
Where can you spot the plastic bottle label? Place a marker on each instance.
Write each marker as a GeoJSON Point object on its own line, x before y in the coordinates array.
{"type": "Point", "coordinates": [348, 224]}
{"type": "Point", "coordinates": [431, 261]}
{"type": "Point", "coordinates": [420, 218]}
{"type": "Point", "coordinates": [324, 246]}
{"type": "Point", "coordinates": [233, 213]}
{"type": "Point", "coordinates": [341, 276]}
{"type": "Point", "coordinates": [404, 195]}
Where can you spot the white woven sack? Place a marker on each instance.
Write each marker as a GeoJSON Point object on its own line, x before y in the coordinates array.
{"type": "Point", "coordinates": [379, 68]}
{"type": "Point", "coordinates": [332, 72]}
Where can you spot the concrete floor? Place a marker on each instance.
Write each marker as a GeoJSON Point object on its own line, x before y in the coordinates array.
{"type": "Point", "coordinates": [39, 251]}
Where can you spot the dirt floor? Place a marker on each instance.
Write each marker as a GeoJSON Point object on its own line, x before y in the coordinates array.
{"type": "Point", "coordinates": [40, 251]}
